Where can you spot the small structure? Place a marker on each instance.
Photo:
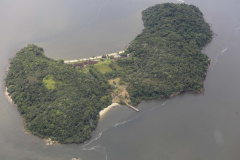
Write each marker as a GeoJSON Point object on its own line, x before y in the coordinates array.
{"type": "Point", "coordinates": [83, 64]}
{"type": "Point", "coordinates": [114, 95]}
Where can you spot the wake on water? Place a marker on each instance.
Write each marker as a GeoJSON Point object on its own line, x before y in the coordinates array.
{"type": "Point", "coordinates": [122, 123]}
{"type": "Point", "coordinates": [182, 1]}
{"type": "Point", "coordinates": [97, 147]}
{"type": "Point", "coordinates": [215, 59]}
{"type": "Point", "coordinates": [95, 17]}
{"type": "Point", "coordinates": [102, 149]}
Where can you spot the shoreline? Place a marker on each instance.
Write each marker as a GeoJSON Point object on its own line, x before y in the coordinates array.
{"type": "Point", "coordinates": [105, 110]}
{"type": "Point", "coordinates": [9, 98]}
{"type": "Point", "coordinates": [48, 141]}
{"type": "Point", "coordinates": [94, 57]}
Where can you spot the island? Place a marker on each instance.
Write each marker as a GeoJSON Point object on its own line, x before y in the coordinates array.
{"type": "Point", "coordinates": [61, 101]}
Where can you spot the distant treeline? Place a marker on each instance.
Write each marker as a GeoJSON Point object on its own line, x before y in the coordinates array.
{"type": "Point", "coordinates": [60, 102]}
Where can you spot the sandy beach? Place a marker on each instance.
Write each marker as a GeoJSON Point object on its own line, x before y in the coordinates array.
{"type": "Point", "coordinates": [48, 141]}
{"type": "Point", "coordinates": [9, 97]}
{"type": "Point", "coordinates": [93, 58]}
{"type": "Point", "coordinates": [22, 119]}
{"type": "Point", "coordinates": [105, 110]}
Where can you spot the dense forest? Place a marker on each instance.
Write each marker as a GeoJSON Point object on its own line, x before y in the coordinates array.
{"type": "Point", "coordinates": [166, 57]}
{"type": "Point", "coordinates": [62, 102]}
{"type": "Point", "coordinates": [54, 99]}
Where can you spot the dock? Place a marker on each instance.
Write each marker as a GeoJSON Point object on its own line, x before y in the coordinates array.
{"type": "Point", "coordinates": [132, 107]}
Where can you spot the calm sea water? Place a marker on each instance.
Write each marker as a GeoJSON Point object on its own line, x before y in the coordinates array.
{"type": "Point", "coordinates": [185, 127]}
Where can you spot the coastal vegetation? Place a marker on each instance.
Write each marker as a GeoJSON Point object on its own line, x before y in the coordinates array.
{"type": "Point", "coordinates": [55, 100]}
{"type": "Point", "coordinates": [62, 101]}
{"type": "Point", "coordinates": [166, 57]}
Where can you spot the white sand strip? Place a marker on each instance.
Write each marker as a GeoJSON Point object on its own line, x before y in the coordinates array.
{"type": "Point", "coordinates": [105, 110]}
{"type": "Point", "coordinates": [92, 58]}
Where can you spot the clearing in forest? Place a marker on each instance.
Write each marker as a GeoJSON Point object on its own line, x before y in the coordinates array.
{"type": "Point", "coordinates": [120, 93]}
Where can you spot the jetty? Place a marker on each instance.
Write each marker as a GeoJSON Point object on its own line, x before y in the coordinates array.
{"type": "Point", "coordinates": [132, 107]}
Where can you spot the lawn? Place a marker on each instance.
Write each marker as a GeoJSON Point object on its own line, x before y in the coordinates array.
{"type": "Point", "coordinates": [117, 66]}
{"type": "Point", "coordinates": [103, 68]}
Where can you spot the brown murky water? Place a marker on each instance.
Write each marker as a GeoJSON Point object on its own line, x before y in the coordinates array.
{"type": "Point", "coordinates": [185, 127]}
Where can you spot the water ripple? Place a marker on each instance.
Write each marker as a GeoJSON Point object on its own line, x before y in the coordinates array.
{"type": "Point", "coordinates": [215, 59]}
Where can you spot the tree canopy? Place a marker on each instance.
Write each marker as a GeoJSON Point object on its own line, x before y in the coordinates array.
{"type": "Point", "coordinates": [166, 57]}
{"type": "Point", "coordinates": [60, 102]}
{"type": "Point", "coordinates": [54, 99]}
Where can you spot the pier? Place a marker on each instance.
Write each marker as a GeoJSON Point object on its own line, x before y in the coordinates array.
{"type": "Point", "coordinates": [132, 107]}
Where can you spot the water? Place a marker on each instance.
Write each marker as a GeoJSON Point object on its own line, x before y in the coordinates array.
{"type": "Point", "coordinates": [185, 127]}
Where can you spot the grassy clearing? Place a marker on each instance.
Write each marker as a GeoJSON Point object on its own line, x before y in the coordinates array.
{"type": "Point", "coordinates": [117, 66]}
{"type": "Point", "coordinates": [103, 68]}
{"type": "Point", "coordinates": [104, 61]}
{"type": "Point", "coordinates": [120, 91]}
{"type": "Point", "coordinates": [49, 82]}
{"type": "Point", "coordinates": [116, 80]}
